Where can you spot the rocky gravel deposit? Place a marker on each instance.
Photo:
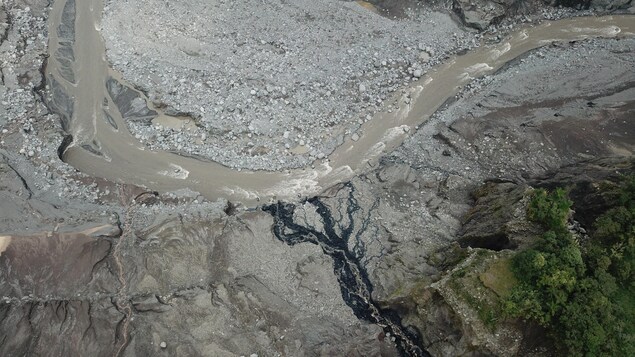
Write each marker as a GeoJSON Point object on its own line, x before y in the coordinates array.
{"type": "Point", "coordinates": [270, 85]}
{"type": "Point", "coordinates": [530, 117]}
{"type": "Point", "coordinates": [262, 86]}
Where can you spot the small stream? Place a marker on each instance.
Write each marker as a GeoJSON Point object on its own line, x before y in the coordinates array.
{"type": "Point", "coordinates": [335, 239]}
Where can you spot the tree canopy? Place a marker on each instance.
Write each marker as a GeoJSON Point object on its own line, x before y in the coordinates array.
{"type": "Point", "coordinates": [581, 291]}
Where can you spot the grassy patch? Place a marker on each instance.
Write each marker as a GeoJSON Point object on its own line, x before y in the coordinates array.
{"type": "Point", "coordinates": [469, 288]}
{"type": "Point", "coordinates": [499, 277]}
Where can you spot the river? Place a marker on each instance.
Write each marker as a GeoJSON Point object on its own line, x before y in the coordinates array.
{"type": "Point", "coordinates": [102, 146]}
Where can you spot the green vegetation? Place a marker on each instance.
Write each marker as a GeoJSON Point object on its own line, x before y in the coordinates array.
{"type": "Point", "coordinates": [472, 284]}
{"type": "Point", "coordinates": [582, 292]}
{"type": "Point", "coordinates": [485, 304]}
{"type": "Point", "coordinates": [499, 277]}
{"type": "Point", "coordinates": [552, 209]}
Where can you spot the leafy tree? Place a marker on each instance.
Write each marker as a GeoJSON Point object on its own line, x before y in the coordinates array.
{"type": "Point", "coordinates": [551, 210]}
{"type": "Point", "coordinates": [615, 249]}
{"type": "Point", "coordinates": [582, 293]}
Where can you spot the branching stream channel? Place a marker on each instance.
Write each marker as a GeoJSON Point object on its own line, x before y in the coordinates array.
{"type": "Point", "coordinates": [91, 99]}
{"type": "Point", "coordinates": [334, 240]}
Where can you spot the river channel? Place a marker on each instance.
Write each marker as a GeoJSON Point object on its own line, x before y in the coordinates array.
{"type": "Point", "coordinates": [102, 146]}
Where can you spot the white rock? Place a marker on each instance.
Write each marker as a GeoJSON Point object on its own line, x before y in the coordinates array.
{"type": "Point", "coordinates": [362, 88]}
{"type": "Point", "coordinates": [355, 137]}
{"type": "Point", "coordinates": [163, 344]}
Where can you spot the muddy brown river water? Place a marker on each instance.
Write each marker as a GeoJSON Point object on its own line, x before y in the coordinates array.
{"type": "Point", "coordinates": [103, 147]}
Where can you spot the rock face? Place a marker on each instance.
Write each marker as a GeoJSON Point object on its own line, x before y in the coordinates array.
{"type": "Point", "coordinates": [130, 104]}
{"type": "Point", "coordinates": [480, 14]}
{"type": "Point", "coordinates": [584, 181]}
{"type": "Point", "coordinates": [4, 26]}
{"type": "Point", "coordinates": [592, 4]}
{"type": "Point", "coordinates": [493, 223]}
{"type": "Point", "coordinates": [498, 218]}
{"type": "Point", "coordinates": [610, 4]}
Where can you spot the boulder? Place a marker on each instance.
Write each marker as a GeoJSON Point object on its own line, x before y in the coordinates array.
{"type": "Point", "coordinates": [480, 14]}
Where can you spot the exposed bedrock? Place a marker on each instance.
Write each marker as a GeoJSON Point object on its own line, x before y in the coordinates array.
{"type": "Point", "coordinates": [481, 14]}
